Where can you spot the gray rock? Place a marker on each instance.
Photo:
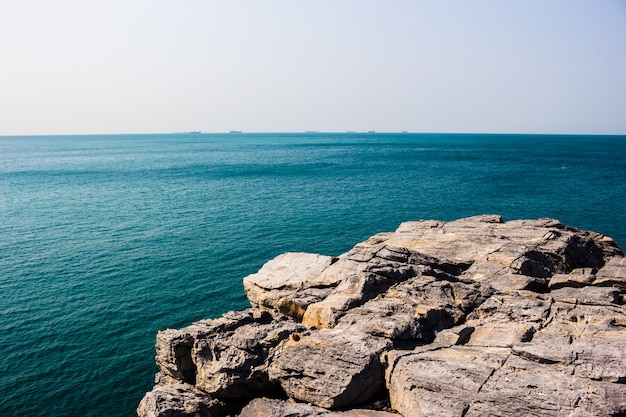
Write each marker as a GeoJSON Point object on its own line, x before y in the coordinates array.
{"type": "Point", "coordinates": [578, 278]}
{"type": "Point", "coordinates": [330, 368]}
{"type": "Point", "coordinates": [369, 270]}
{"type": "Point", "coordinates": [522, 388]}
{"type": "Point", "coordinates": [501, 321]}
{"type": "Point", "coordinates": [588, 339]}
{"type": "Point", "coordinates": [174, 348]}
{"type": "Point", "coordinates": [225, 357]}
{"type": "Point", "coordinates": [290, 282]}
{"type": "Point", "coordinates": [560, 358]}
{"type": "Point", "coordinates": [472, 381]}
{"type": "Point", "coordinates": [589, 295]}
{"type": "Point", "coordinates": [233, 364]}
{"type": "Point", "coordinates": [179, 400]}
{"type": "Point", "coordinates": [415, 309]}
{"type": "Point", "coordinates": [264, 407]}
{"type": "Point", "coordinates": [612, 274]}
{"type": "Point", "coordinates": [522, 254]}
{"type": "Point", "coordinates": [442, 382]}
{"type": "Point", "coordinates": [173, 355]}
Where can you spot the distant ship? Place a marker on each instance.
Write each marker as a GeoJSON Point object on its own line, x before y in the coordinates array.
{"type": "Point", "coordinates": [371, 131]}
{"type": "Point", "coordinates": [195, 132]}
{"type": "Point", "coordinates": [311, 131]}
{"type": "Point", "coordinates": [235, 131]}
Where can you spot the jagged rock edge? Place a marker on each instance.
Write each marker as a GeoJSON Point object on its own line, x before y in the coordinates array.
{"type": "Point", "coordinates": [606, 249]}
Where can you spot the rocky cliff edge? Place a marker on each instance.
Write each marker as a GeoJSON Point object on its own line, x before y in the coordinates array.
{"type": "Point", "coordinates": [474, 317]}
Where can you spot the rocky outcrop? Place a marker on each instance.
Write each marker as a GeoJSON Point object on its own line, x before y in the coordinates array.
{"type": "Point", "coordinates": [475, 317]}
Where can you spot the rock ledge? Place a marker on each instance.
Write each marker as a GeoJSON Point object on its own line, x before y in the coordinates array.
{"type": "Point", "coordinates": [474, 317]}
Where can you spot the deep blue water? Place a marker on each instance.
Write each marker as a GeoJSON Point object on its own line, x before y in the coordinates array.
{"type": "Point", "coordinates": [106, 239]}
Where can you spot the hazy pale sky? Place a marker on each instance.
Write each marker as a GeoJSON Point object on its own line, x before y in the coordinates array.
{"type": "Point", "coordinates": [135, 66]}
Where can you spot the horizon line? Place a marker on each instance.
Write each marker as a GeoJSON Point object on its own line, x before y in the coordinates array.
{"type": "Point", "coordinates": [311, 132]}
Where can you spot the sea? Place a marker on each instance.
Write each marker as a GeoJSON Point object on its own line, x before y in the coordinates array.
{"type": "Point", "coordinates": [106, 239]}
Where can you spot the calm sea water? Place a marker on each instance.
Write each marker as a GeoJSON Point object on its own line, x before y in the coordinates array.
{"type": "Point", "coordinates": [106, 239]}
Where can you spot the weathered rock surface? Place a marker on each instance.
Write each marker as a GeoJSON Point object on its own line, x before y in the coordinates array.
{"type": "Point", "coordinates": [290, 282]}
{"type": "Point", "coordinates": [475, 317]}
{"type": "Point", "coordinates": [264, 407]}
{"type": "Point", "coordinates": [331, 368]}
{"type": "Point", "coordinates": [226, 357]}
{"type": "Point", "coordinates": [179, 400]}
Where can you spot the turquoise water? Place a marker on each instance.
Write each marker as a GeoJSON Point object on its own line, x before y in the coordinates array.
{"type": "Point", "coordinates": [106, 239]}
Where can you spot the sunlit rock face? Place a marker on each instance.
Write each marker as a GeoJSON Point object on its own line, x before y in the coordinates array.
{"type": "Point", "coordinates": [474, 317]}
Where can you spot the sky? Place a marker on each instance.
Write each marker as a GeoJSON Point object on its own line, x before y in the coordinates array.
{"type": "Point", "coordinates": [155, 66]}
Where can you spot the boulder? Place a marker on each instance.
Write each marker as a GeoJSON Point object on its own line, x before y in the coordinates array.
{"type": "Point", "coordinates": [225, 357]}
{"type": "Point", "coordinates": [290, 282]}
{"type": "Point", "coordinates": [330, 368]}
{"type": "Point", "coordinates": [181, 400]}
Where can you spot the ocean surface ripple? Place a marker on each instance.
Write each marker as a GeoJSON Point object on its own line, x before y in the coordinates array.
{"type": "Point", "coordinates": [107, 239]}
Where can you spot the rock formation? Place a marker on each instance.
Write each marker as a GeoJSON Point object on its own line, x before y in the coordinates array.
{"type": "Point", "coordinates": [475, 317]}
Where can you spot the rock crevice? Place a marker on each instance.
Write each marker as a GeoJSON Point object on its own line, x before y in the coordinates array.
{"type": "Point", "coordinates": [474, 317]}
